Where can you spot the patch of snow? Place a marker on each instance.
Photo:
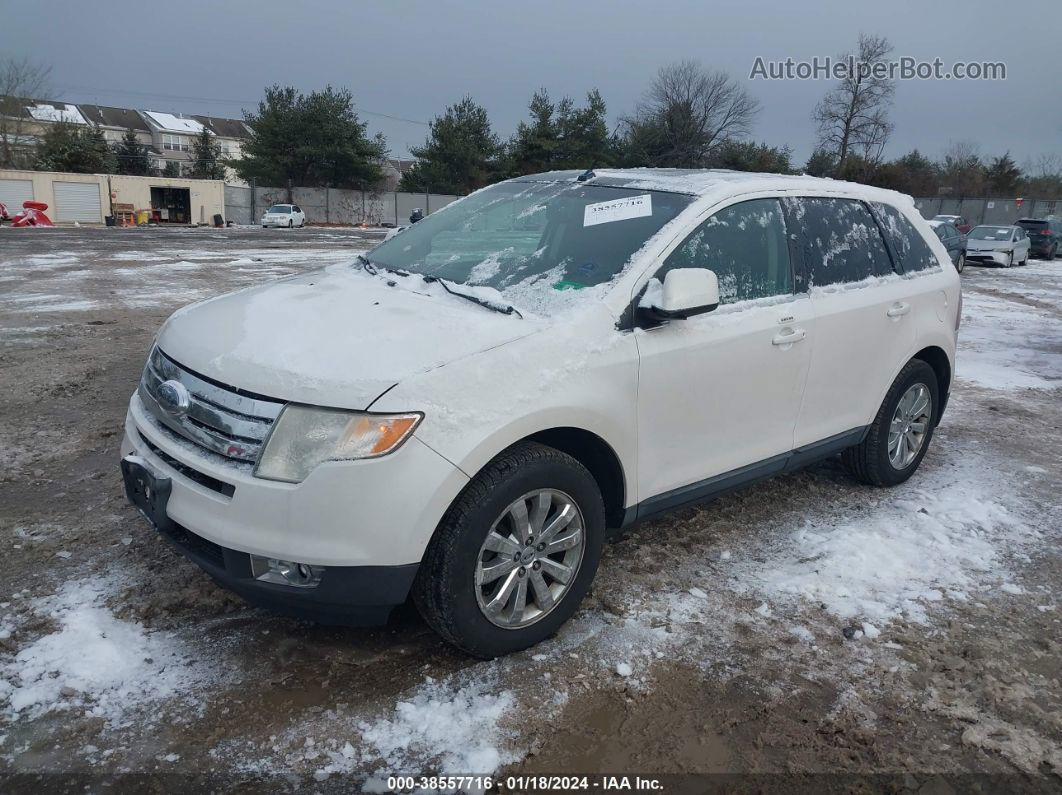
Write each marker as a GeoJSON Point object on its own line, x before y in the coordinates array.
{"type": "Point", "coordinates": [460, 729]}
{"type": "Point", "coordinates": [95, 661]}
{"type": "Point", "coordinates": [892, 561]}
{"type": "Point", "coordinates": [624, 669]}
{"type": "Point", "coordinates": [67, 113]}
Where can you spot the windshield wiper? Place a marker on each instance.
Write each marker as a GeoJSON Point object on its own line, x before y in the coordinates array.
{"type": "Point", "coordinates": [505, 309]}
{"type": "Point", "coordinates": [374, 269]}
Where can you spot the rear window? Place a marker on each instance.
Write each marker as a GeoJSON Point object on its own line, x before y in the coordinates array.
{"type": "Point", "coordinates": [840, 241]}
{"type": "Point", "coordinates": [912, 251]}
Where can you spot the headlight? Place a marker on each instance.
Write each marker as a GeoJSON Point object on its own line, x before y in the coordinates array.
{"type": "Point", "coordinates": [306, 436]}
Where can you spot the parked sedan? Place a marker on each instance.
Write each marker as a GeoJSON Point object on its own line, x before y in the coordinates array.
{"type": "Point", "coordinates": [958, 221]}
{"type": "Point", "coordinates": [999, 245]}
{"type": "Point", "coordinates": [289, 215]}
{"type": "Point", "coordinates": [1045, 236]}
{"type": "Point", "coordinates": [954, 241]}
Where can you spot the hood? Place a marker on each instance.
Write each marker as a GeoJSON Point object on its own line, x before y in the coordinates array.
{"type": "Point", "coordinates": [336, 337]}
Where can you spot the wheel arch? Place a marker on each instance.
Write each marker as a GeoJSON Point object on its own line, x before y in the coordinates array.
{"type": "Point", "coordinates": [936, 358]}
{"type": "Point", "coordinates": [598, 457]}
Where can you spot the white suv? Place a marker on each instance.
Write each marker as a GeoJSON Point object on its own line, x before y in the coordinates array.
{"type": "Point", "coordinates": [460, 414]}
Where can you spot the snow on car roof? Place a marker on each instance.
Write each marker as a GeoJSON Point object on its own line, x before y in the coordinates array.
{"type": "Point", "coordinates": [168, 121]}
{"type": "Point", "coordinates": [702, 182]}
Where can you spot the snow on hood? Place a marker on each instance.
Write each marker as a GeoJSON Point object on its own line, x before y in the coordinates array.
{"type": "Point", "coordinates": [335, 337]}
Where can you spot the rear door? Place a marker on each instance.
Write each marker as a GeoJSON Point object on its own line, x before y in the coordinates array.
{"type": "Point", "coordinates": [863, 324]}
{"type": "Point", "coordinates": [720, 391]}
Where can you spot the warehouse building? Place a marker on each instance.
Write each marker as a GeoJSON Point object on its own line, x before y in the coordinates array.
{"type": "Point", "coordinates": [90, 198]}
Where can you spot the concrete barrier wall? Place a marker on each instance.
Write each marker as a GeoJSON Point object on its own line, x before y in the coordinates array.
{"type": "Point", "coordinates": [245, 205]}
{"type": "Point", "coordinates": [1002, 210]}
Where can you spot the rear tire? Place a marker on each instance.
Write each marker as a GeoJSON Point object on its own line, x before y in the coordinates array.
{"type": "Point", "coordinates": [961, 263]}
{"type": "Point", "coordinates": [447, 590]}
{"type": "Point", "coordinates": [871, 461]}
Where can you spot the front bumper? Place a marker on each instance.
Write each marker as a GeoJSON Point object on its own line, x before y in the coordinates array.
{"type": "Point", "coordinates": [997, 257]}
{"type": "Point", "coordinates": [367, 522]}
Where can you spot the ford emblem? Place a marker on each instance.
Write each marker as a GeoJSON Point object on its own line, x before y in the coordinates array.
{"type": "Point", "coordinates": [174, 397]}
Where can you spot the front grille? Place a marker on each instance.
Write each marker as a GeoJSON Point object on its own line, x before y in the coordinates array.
{"type": "Point", "coordinates": [230, 422]}
{"type": "Point", "coordinates": [203, 479]}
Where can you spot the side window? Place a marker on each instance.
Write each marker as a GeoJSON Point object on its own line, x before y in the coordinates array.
{"type": "Point", "coordinates": [840, 240]}
{"type": "Point", "coordinates": [296, 208]}
{"type": "Point", "coordinates": [910, 248]}
{"type": "Point", "coordinates": [745, 244]}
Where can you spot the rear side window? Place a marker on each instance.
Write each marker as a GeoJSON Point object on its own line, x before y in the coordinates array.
{"type": "Point", "coordinates": [840, 241]}
{"type": "Point", "coordinates": [745, 244]}
{"type": "Point", "coordinates": [912, 251]}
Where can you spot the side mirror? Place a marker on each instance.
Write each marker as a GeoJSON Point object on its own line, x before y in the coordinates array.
{"type": "Point", "coordinates": [686, 292]}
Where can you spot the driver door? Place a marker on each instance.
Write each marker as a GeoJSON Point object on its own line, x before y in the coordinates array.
{"type": "Point", "coordinates": [719, 393]}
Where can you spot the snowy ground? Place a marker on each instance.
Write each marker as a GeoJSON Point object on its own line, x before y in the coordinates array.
{"type": "Point", "coordinates": [807, 625]}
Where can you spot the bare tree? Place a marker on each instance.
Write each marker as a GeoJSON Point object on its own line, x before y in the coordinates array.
{"type": "Point", "coordinates": [853, 117]}
{"type": "Point", "coordinates": [687, 112]}
{"type": "Point", "coordinates": [20, 78]}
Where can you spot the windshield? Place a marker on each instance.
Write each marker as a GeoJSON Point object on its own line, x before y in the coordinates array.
{"type": "Point", "coordinates": [990, 233]}
{"type": "Point", "coordinates": [279, 208]}
{"type": "Point", "coordinates": [539, 244]}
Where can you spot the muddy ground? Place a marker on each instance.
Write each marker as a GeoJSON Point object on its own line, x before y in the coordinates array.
{"type": "Point", "coordinates": [809, 630]}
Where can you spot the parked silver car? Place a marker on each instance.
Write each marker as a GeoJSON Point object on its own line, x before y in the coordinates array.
{"type": "Point", "coordinates": [998, 245]}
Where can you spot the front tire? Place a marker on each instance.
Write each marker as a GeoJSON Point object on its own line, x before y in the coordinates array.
{"type": "Point", "coordinates": [515, 554]}
{"type": "Point", "coordinates": [291, 224]}
{"type": "Point", "coordinates": [961, 263]}
{"type": "Point", "coordinates": [900, 434]}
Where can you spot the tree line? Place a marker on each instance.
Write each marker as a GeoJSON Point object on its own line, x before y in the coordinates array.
{"type": "Point", "coordinates": [689, 116]}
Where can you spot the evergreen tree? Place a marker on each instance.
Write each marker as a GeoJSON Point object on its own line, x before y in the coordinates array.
{"type": "Point", "coordinates": [312, 140]}
{"type": "Point", "coordinates": [131, 156]}
{"type": "Point", "coordinates": [561, 136]}
{"type": "Point", "coordinates": [1003, 175]}
{"type": "Point", "coordinates": [749, 156]}
{"type": "Point", "coordinates": [171, 169]}
{"type": "Point", "coordinates": [74, 148]}
{"type": "Point", "coordinates": [914, 173]}
{"type": "Point", "coordinates": [207, 161]}
{"type": "Point", "coordinates": [820, 163]}
{"type": "Point", "coordinates": [459, 155]}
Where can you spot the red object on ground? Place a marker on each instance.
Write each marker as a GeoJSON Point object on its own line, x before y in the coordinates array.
{"type": "Point", "coordinates": [32, 215]}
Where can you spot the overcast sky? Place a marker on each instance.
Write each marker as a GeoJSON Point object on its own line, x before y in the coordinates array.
{"type": "Point", "coordinates": [410, 59]}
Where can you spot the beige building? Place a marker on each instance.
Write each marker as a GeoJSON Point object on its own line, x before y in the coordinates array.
{"type": "Point", "coordinates": [90, 198]}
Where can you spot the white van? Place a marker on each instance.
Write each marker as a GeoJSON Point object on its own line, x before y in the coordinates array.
{"type": "Point", "coordinates": [461, 413]}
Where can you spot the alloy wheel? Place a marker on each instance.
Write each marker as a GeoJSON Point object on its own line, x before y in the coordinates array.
{"type": "Point", "coordinates": [530, 558]}
{"type": "Point", "coordinates": [909, 426]}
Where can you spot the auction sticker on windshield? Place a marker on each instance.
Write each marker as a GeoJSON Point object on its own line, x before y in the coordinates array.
{"type": "Point", "coordinates": [618, 210]}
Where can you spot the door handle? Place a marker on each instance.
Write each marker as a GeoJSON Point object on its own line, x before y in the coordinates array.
{"type": "Point", "coordinates": [899, 309]}
{"type": "Point", "coordinates": [793, 335]}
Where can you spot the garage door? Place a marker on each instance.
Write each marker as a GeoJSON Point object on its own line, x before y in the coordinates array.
{"type": "Point", "coordinates": [77, 201]}
{"type": "Point", "coordinates": [15, 191]}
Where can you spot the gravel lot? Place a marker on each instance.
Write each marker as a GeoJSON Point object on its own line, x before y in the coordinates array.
{"type": "Point", "coordinates": [716, 639]}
